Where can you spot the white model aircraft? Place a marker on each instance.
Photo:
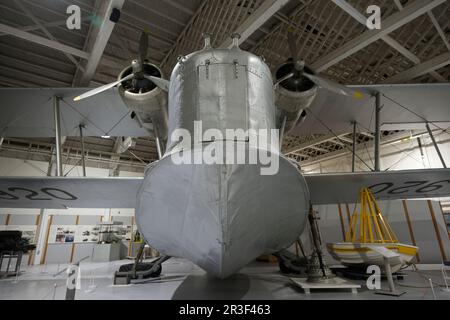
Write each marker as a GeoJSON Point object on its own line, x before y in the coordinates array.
{"type": "Point", "coordinates": [219, 216]}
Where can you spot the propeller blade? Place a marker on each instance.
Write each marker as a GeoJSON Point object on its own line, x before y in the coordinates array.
{"type": "Point", "coordinates": [286, 77]}
{"type": "Point", "coordinates": [335, 87]}
{"type": "Point", "coordinates": [161, 83]}
{"type": "Point", "coordinates": [143, 47]}
{"type": "Point", "coordinates": [102, 89]}
{"type": "Point", "coordinates": [292, 44]}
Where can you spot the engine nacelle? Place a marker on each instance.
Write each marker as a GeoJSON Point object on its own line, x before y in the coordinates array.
{"type": "Point", "coordinates": [146, 100]}
{"type": "Point", "coordinates": [293, 96]}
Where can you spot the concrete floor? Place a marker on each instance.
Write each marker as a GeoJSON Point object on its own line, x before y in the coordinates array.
{"type": "Point", "coordinates": [183, 280]}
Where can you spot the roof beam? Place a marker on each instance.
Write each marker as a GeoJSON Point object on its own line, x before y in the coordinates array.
{"type": "Point", "coordinates": [434, 21]}
{"type": "Point", "coordinates": [111, 62]}
{"type": "Point", "coordinates": [398, 4]}
{"type": "Point", "coordinates": [39, 79]}
{"type": "Point", "coordinates": [315, 143]}
{"type": "Point", "coordinates": [310, 144]}
{"type": "Point", "coordinates": [345, 139]}
{"type": "Point", "coordinates": [42, 28]}
{"type": "Point", "coordinates": [43, 41]}
{"type": "Point", "coordinates": [319, 149]}
{"type": "Point", "coordinates": [183, 34]}
{"type": "Point", "coordinates": [430, 13]}
{"type": "Point", "coordinates": [359, 147]}
{"type": "Point", "coordinates": [303, 155]}
{"type": "Point", "coordinates": [46, 24]}
{"type": "Point", "coordinates": [18, 83]}
{"type": "Point", "coordinates": [439, 29]}
{"type": "Point", "coordinates": [180, 7]}
{"type": "Point", "coordinates": [34, 67]}
{"type": "Point", "coordinates": [367, 134]}
{"type": "Point", "coordinates": [344, 5]}
{"type": "Point", "coordinates": [421, 69]}
{"type": "Point", "coordinates": [97, 40]}
{"type": "Point", "coordinates": [256, 20]}
{"type": "Point", "coordinates": [157, 12]}
{"type": "Point", "coordinates": [392, 23]}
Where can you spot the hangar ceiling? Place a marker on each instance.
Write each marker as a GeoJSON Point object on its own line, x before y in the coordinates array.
{"type": "Point", "coordinates": [331, 36]}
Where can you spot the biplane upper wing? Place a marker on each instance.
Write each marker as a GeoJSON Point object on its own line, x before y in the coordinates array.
{"type": "Point", "coordinates": [405, 107]}
{"type": "Point", "coordinates": [29, 113]}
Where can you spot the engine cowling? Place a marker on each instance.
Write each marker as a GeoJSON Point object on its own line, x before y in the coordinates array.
{"type": "Point", "coordinates": [294, 95]}
{"type": "Point", "coordinates": [147, 102]}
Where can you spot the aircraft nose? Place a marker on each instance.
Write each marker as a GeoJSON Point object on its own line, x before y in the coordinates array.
{"type": "Point", "coordinates": [221, 217]}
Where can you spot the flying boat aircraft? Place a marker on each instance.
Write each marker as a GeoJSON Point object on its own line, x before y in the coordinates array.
{"type": "Point", "coordinates": [219, 216]}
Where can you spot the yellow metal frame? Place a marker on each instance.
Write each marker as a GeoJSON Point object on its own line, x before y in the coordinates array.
{"type": "Point", "coordinates": [368, 225]}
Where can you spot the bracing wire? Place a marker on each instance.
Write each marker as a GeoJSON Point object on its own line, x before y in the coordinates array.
{"type": "Point", "coordinates": [414, 113]}
{"type": "Point", "coordinates": [83, 116]}
{"type": "Point", "coordinates": [337, 137]}
{"type": "Point", "coordinates": [106, 133]}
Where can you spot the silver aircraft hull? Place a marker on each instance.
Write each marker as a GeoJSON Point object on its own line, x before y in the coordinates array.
{"type": "Point", "coordinates": [221, 217]}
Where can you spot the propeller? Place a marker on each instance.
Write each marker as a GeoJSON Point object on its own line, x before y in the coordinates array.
{"type": "Point", "coordinates": [136, 76]}
{"type": "Point", "coordinates": [334, 86]}
{"type": "Point", "coordinates": [296, 77]}
{"type": "Point", "coordinates": [102, 88]}
{"type": "Point", "coordinates": [292, 44]}
{"type": "Point", "coordinates": [143, 47]}
{"type": "Point", "coordinates": [163, 84]}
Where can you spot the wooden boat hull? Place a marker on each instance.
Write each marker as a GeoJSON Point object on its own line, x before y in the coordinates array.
{"type": "Point", "coordinates": [359, 255]}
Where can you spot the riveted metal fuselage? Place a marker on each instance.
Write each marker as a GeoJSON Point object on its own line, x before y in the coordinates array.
{"type": "Point", "coordinates": [221, 215]}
